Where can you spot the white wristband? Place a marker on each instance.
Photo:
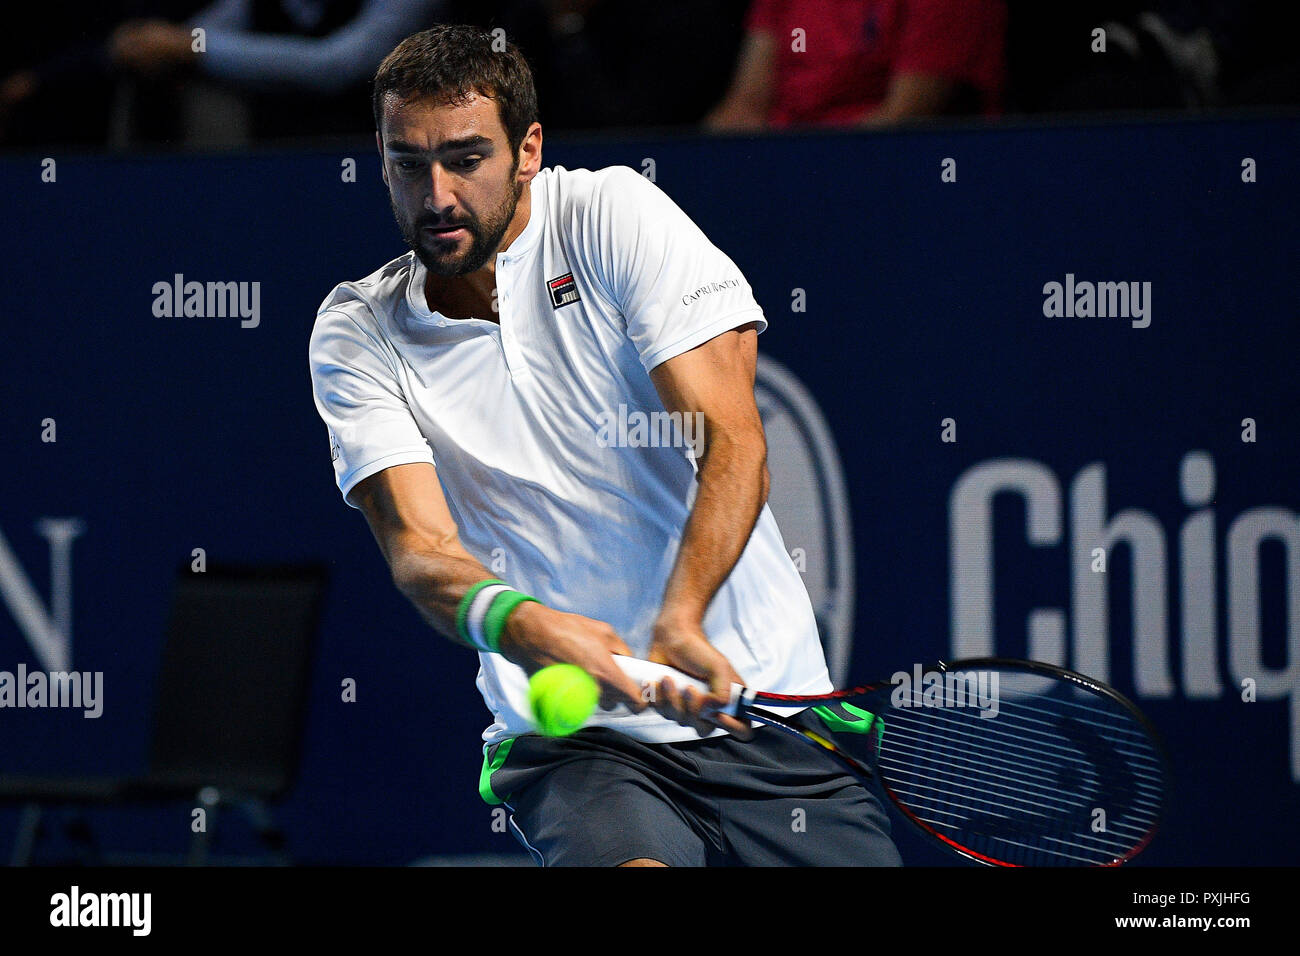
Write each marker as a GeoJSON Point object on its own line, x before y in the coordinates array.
{"type": "Point", "coordinates": [478, 609]}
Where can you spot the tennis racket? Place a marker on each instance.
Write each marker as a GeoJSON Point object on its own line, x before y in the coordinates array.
{"type": "Point", "coordinates": [1004, 762]}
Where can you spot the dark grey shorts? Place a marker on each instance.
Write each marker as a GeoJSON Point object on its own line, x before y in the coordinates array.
{"type": "Point", "coordinates": [601, 798]}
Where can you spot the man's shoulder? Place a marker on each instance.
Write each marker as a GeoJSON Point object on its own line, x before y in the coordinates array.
{"type": "Point", "coordinates": [598, 211]}
{"type": "Point", "coordinates": [367, 301]}
{"type": "Point", "coordinates": [580, 188]}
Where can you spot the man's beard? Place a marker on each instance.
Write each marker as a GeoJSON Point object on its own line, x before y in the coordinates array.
{"type": "Point", "coordinates": [484, 237]}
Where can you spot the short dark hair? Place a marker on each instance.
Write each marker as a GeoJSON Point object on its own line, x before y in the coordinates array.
{"type": "Point", "coordinates": [449, 62]}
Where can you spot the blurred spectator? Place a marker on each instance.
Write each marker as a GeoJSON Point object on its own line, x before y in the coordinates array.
{"type": "Point", "coordinates": [52, 82]}
{"type": "Point", "coordinates": [300, 66]}
{"type": "Point", "coordinates": [125, 71]}
{"type": "Point", "coordinates": [864, 62]}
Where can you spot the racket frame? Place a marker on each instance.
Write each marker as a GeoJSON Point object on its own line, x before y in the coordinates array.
{"type": "Point", "coordinates": [746, 704]}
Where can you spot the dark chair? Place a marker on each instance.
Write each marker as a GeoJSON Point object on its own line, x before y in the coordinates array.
{"type": "Point", "coordinates": [230, 712]}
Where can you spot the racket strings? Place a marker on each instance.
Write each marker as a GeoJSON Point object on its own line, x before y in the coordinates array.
{"type": "Point", "coordinates": [1128, 739]}
{"type": "Point", "coordinates": [1061, 778]}
{"type": "Point", "coordinates": [1039, 749]}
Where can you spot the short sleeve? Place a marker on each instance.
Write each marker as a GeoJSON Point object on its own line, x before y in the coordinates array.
{"type": "Point", "coordinates": [358, 397]}
{"type": "Point", "coordinates": [674, 288]}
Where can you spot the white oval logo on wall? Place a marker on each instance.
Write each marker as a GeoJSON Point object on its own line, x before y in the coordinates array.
{"type": "Point", "coordinates": [810, 503]}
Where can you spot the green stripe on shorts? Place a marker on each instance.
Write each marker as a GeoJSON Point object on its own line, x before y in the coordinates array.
{"type": "Point", "coordinates": [491, 765]}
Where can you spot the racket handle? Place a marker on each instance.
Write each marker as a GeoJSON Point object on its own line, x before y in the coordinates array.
{"type": "Point", "coordinates": [648, 673]}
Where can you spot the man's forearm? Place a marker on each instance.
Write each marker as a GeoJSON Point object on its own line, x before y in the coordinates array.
{"type": "Point", "coordinates": [910, 96]}
{"type": "Point", "coordinates": [436, 582]}
{"type": "Point", "coordinates": [732, 491]}
{"type": "Point", "coordinates": [532, 635]}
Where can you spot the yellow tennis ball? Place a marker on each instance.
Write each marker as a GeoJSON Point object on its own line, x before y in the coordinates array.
{"type": "Point", "coordinates": [562, 697]}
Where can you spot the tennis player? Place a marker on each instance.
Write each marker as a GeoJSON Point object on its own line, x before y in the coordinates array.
{"type": "Point", "coordinates": [486, 396]}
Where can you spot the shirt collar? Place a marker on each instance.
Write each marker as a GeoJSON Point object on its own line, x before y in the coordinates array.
{"type": "Point", "coordinates": [536, 218]}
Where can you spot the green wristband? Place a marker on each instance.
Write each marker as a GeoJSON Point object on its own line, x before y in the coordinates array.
{"type": "Point", "coordinates": [462, 612]}
{"type": "Point", "coordinates": [495, 622]}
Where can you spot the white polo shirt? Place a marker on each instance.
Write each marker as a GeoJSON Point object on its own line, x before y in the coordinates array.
{"type": "Point", "coordinates": [537, 426]}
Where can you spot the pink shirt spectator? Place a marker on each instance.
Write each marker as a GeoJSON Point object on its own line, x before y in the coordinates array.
{"type": "Point", "coordinates": [854, 47]}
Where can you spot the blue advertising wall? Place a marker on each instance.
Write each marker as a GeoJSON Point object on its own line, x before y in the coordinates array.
{"type": "Point", "coordinates": [901, 301]}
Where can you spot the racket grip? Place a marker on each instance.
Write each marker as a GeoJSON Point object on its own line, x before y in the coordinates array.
{"type": "Point", "coordinates": [648, 673]}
